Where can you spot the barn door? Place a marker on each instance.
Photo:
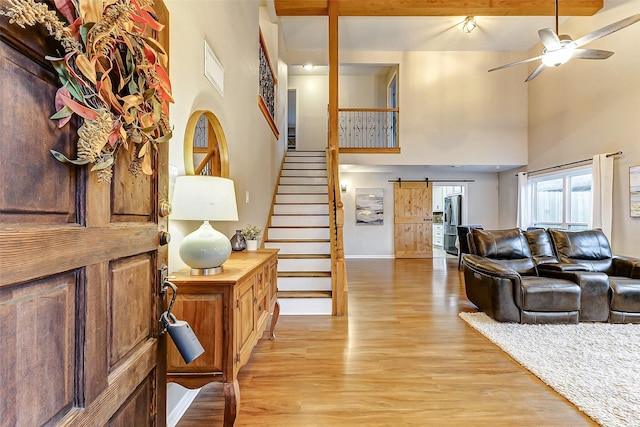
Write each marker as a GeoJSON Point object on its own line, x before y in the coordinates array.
{"type": "Point", "coordinates": [79, 258]}
{"type": "Point", "coordinates": [413, 220]}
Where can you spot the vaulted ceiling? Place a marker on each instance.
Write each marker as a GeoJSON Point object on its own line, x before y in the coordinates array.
{"type": "Point", "coordinates": [414, 25]}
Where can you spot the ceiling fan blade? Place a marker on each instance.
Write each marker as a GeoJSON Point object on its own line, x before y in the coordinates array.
{"type": "Point", "coordinates": [604, 31]}
{"type": "Point", "coordinates": [549, 39]}
{"type": "Point", "coordinates": [591, 54]}
{"type": "Point", "coordinates": [536, 72]}
{"type": "Point", "coordinates": [516, 63]}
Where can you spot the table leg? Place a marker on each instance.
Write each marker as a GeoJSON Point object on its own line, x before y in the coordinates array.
{"type": "Point", "coordinates": [231, 402]}
{"type": "Point", "coordinates": [274, 320]}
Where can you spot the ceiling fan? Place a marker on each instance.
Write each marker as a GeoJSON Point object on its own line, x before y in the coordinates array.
{"type": "Point", "coordinates": [558, 49]}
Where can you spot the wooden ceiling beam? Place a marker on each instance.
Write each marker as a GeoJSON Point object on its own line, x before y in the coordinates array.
{"type": "Point", "coordinates": [438, 7]}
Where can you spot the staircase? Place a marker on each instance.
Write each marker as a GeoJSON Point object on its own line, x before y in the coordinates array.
{"type": "Point", "coordinates": [299, 227]}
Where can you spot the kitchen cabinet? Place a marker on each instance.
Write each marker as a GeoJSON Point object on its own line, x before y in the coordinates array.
{"type": "Point", "coordinates": [229, 313]}
{"type": "Point", "coordinates": [438, 234]}
{"type": "Point", "coordinates": [438, 198]}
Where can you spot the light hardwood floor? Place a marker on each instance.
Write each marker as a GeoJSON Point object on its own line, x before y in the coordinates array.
{"type": "Point", "coordinates": [402, 357]}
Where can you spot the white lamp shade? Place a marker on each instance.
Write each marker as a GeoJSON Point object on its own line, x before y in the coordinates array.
{"type": "Point", "coordinates": [204, 198]}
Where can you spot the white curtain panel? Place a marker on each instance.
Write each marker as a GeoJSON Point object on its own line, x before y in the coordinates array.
{"type": "Point", "coordinates": [524, 202]}
{"type": "Point", "coordinates": [602, 190]}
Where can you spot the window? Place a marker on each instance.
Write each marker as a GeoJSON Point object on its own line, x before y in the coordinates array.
{"type": "Point", "coordinates": [562, 200]}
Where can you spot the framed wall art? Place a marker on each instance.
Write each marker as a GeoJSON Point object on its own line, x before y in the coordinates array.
{"type": "Point", "coordinates": [634, 191]}
{"type": "Point", "coordinates": [369, 206]}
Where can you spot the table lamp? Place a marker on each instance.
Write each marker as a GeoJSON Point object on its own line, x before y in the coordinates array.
{"type": "Point", "coordinates": [204, 198]}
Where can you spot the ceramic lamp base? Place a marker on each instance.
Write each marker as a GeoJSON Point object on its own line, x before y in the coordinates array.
{"type": "Point", "coordinates": [205, 250]}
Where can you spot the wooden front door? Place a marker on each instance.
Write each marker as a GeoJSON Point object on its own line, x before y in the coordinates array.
{"type": "Point", "coordinates": [413, 220]}
{"type": "Point", "coordinates": [79, 299]}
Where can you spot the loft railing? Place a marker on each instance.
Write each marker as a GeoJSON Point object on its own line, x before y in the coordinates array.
{"type": "Point", "coordinates": [368, 129]}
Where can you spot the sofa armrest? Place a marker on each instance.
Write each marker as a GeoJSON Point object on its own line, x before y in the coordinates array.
{"type": "Point", "coordinates": [489, 267]}
{"type": "Point", "coordinates": [561, 266]}
{"type": "Point", "coordinates": [626, 267]}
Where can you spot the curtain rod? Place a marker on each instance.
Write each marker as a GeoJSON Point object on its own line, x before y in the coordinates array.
{"type": "Point", "coordinates": [427, 180]}
{"type": "Point", "coordinates": [617, 153]}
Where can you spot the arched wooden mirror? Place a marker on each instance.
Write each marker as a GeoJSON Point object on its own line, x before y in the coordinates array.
{"type": "Point", "coordinates": [205, 146]}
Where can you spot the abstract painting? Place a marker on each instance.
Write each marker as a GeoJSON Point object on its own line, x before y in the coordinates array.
{"type": "Point", "coordinates": [369, 206]}
{"type": "Point", "coordinates": [634, 191]}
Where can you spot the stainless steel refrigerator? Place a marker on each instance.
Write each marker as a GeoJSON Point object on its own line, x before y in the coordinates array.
{"type": "Point", "coordinates": [451, 221]}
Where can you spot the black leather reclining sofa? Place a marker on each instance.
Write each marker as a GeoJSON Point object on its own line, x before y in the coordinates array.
{"type": "Point", "coordinates": [550, 276]}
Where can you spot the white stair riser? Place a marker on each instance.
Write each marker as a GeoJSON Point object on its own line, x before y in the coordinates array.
{"type": "Point", "coordinates": [306, 159]}
{"type": "Point", "coordinates": [296, 248]}
{"type": "Point", "coordinates": [306, 220]}
{"type": "Point", "coordinates": [305, 172]}
{"type": "Point", "coordinates": [302, 180]}
{"type": "Point", "coordinates": [304, 264]}
{"type": "Point", "coordinates": [316, 153]}
{"type": "Point", "coordinates": [302, 198]}
{"type": "Point", "coordinates": [306, 154]}
{"type": "Point", "coordinates": [304, 164]}
{"type": "Point", "coordinates": [304, 283]}
{"type": "Point", "coordinates": [300, 189]}
{"type": "Point", "coordinates": [299, 233]}
{"type": "Point", "coordinates": [305, 306]}
{"type": "Point", "coordinates": [301, 209]}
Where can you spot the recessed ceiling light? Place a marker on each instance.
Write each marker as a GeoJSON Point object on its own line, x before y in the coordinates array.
{"type": "Point", "coordinates": [308, 67]}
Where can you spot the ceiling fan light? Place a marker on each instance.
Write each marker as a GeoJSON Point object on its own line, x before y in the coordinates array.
{"type": "Point", "coordinates": [558, 57]}
{"type": "Point", "coordinates": [469, 24]}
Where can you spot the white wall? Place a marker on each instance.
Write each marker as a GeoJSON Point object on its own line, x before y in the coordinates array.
{"type": "Point", "coordinates": [585, 108]}
{"type": "Point", "coordinates": [480, 205]}
{"type": "Point", "coordinates": [452, 111]}
{"type": "Point", "coordinates": [231, 29]}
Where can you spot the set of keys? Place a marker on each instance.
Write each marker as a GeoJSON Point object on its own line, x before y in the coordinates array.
{"type": "Point", "coordinates": [179, 330]}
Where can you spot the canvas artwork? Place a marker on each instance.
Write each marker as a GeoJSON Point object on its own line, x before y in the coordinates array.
{"type": "Point", "coordinates": [634, 191]}
{"type": "Point", "coordinates": [369, 206]}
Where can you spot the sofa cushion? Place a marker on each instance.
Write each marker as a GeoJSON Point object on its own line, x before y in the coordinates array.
{"type": "Point", "coordinates": [540, 246]}
{"type": "Point", "coordinates": [546, 294]}
{"type": "Point", "coordinates": [588, 247]}
{"type": "Point", "coordinates": [625, 294]}
{"type": "Point", "coordinates": [509, 247]}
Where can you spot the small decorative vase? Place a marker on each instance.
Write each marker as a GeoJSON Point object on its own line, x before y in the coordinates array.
{"type": "Point", "coordinates": [238, 243]}
{"type": "Point", "coordinates": [252, 245]}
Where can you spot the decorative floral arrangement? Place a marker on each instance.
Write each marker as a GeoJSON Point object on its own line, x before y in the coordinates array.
{"type": "Point", "coordinates": [113, 76]}
{"type": "Point", "coordinates": [251, 232]}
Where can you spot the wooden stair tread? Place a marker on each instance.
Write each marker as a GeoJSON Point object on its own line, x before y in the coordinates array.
{"type": "Point", "coordinates": [304, 294]}
{"type": "Point", "coordinates": [301, 203]}
{"type": "Point", "coordinates": [304, 273]}
{"type": "Point", "coordinates": [299, 226]}
{"type": "Point", "coordinates": [304, 256]}
{"type": "Point", "coordinates": [300, 214]}
{"type": "Point", "coordinates": [297, 241]}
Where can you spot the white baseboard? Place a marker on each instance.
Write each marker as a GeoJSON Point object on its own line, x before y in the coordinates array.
{"type": "Point", "coordinates": [178, 401]}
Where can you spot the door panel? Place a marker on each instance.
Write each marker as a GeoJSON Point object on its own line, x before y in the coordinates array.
{"type": "Point", "coordinates": [131, 305]}
{"type": "Point", "coordinates": [79, 301]}
{"type": "Point", "coordinates": [413, 220]}
{"type": "Point", "coordinates": [35, 350]}
{"type": "Point", "coordinates": [52, 200]}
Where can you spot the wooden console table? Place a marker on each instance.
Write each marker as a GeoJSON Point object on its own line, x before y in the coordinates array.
{"type": "Point", "coordinates": [228, 313]}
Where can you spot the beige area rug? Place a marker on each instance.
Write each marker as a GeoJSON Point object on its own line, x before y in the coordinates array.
{"type": "Point", "coordinates": [596, 366]}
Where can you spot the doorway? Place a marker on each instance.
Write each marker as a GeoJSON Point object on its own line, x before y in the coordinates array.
{"type": "Point", "coordinates": [291, 119]}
